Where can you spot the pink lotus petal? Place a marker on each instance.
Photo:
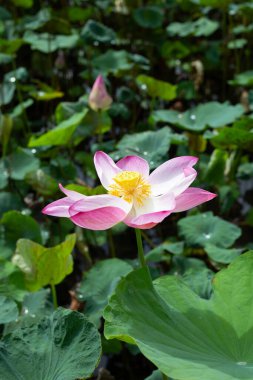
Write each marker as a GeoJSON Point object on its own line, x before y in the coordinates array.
{"type": "Point", "coordinates": [192, 197]}
{"type": "Point", "coordinates": [99, 97]}
{"type": "Point", "coordinates": [59, 207]}
{"type": "Point", "coordinates": [99, 212]}
{"type": "Point", "coordinates": [134, 164]}
{"type": "Point", "coordinates": [174, 175]}
{"type": "Point", "coordinates": [147, 221]}
{"type": "Point", "coordinates": [74, 195]}
{"type": "Point", "coordinates": [106, 168]}
{"type": "Point", "coordinates": [152, 212]}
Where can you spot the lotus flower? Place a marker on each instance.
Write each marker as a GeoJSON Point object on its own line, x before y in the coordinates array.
{"type": "Point", "coordinates": [135, 197]}
{"type": "Point", "coordinates": [99, 99]}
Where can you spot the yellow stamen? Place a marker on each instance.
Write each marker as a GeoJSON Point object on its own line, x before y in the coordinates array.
{"type": "Point", "coordinates": [131, 187]}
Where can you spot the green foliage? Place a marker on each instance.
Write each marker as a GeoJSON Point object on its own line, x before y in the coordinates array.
{"type": "Point", "coordinates": [180, 332]}
{"type": "Point", "coordinates": [48, 43]}
{"type": "Point", "coordinates": [61, 134]}
{"type": "Point", "coordinates": [148, 17]}
{"type": "Point", "coordinates": [62, 346]}
{"type": "Point", "coordinates": [152, 146]}
{"type": "Point", "coordinates": [9, 310]}
{"type": "Point", "coordinates": [21, 163]}
{"type": "Point", "coordinates": [96, 293]}
{"type": "Point", "coordinates": [16, 225]}
{"type": "Point", "coordinates": [95, 31]}
{"type": "Point", "coordinates": [206, 228]}
{"type": "Point", "coordinates": [201, 27]}
{"type": "Point", "coordinates": [180, 76]}
{"type": "Point", "coordinates": [156, 88]}
{"type": "Point", "coordinates": [210, 114]}
{"type": "Point", "coordinates": [43, 266]}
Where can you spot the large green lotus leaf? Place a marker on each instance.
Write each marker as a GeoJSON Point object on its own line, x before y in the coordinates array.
{"type": "Point", "coordinates": [186, 337]}
{"type": "Point", "coordinates": [199, 280]}
{"type": "Point", "coordinates": [8, 310]}
{"type": "Point", "coordinates": [212, 114]}
{"type": "Point", "coordinates": [48, 43]}
{"type": "Point", "coordinates": [96, 293]}
{"type": "Point", "coordinates": [153, 146]}
{"type": "Point", "coordinates": [95, 31]}
{"type": "Point", "coordinates": [118, 61]}
{"type": "Point", "coordinates": [21, 163]}
{"type": "Point", "coordinates": [61, 134]}
{"type": "Point", "coordinates": [238, 43]}
{"type": "Point", "coordinates": [63, 346]}
{"type": "Point", "coordinates": [149, 17]}
{"type": "Point", "coordinates": [9, 201]}
{"type": "Point", "coordinates": [113, 61]}
{"type": "Point", "coordinates": [36, 21]}
{"type": "Point", "coordinates": [16, 225]}
{"type": "Point", "coordinates": [222, 255]}
{"type": "Point", "coordinates": [160, 253]}
{"type": "Point", "coordinates": [206, 228]}
{"type": "Point", "coordinates": [43, 266]}
{"type": "Point", "coordinates": [35, 304]}
{"type": "Point", "coordinates": [238, 136]}
{"type": "Point", "coordinates": [157, 88]}
{"type": "Point", "coordinates": [11, 281]}
{"type": "Point", "coordinates": [243, 79]}
{"type": "Point", "coordinates": [201, 27]}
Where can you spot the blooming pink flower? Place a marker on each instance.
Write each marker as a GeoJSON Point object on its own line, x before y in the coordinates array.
{"type": "Point", "coordinates": [99, 97]}
{"type": "Point", "coordinates": [135, 197]}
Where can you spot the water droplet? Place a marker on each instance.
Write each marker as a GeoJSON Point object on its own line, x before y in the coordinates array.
{"type": "Point", "coordinates": [12, 79]}
{"type": "Point", "coordinates": [25, 311]}
{"type": "Point", "coordinates": [41, 93]}
{"type": "Point", "coordinates": [180, 115]}
{"type": "Point", "coordinates": [143, 87]}
{"type": "Point", "coordinates": [96, 43]}
{"type": "Point", "coordinates": [207, 236]}
{"type": "Point", "coordinates": [80, 296]}
{"type": "Point", "coordinates": [193, 117]}
{"type": "Point", "coordinates": [34, 151]}
{"type": "Point", "coordinates": [151, 162]}
{"type": "Point", "coordinates": [241, 363]}
{"type": "Point", "coordinates": [145, 153]}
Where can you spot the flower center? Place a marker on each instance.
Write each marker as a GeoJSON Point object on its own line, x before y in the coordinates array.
{"type": "Point", "coordinates": [131, 187]}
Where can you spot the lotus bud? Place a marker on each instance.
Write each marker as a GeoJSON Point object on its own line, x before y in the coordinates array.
{"type": "Point", "coordinates": [99, 99]}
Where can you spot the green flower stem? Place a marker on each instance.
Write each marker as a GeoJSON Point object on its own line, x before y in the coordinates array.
{"type": "Point", "coordinates": [54, 296]}
{"type": "Point", "coordinates": [111, 243]}
{"type": "Point", "coordinates": [140, 248]}
{"type": "Point", "coordinates": [141, 256]}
